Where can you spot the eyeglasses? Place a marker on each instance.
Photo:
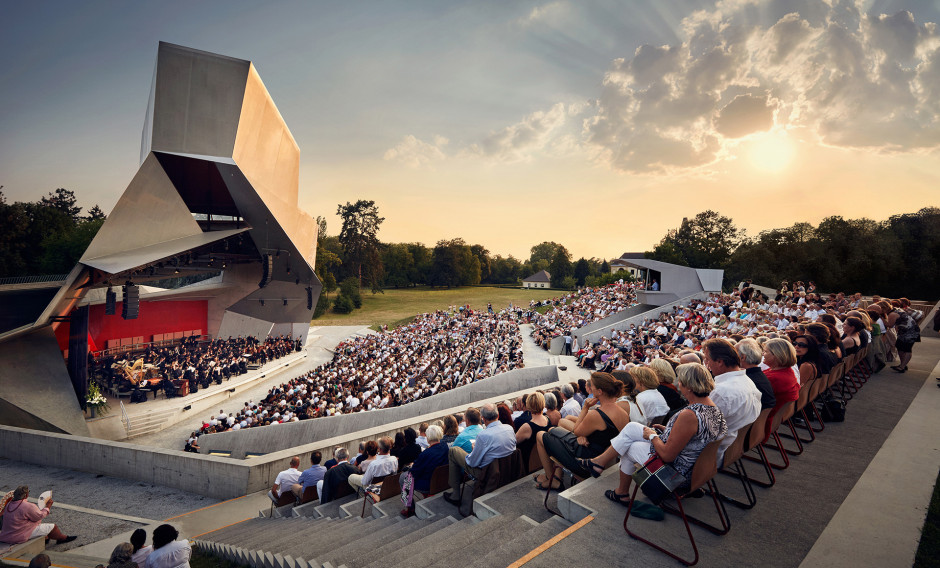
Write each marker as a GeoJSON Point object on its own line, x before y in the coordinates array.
{"type": "Point", "coordinates": [798, 344]}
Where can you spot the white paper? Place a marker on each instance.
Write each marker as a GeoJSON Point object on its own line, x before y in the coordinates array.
{"type": "Point", "coordinates": [44, 498]}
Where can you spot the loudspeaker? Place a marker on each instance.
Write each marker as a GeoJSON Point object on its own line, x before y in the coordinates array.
{"type": "Point", "coordinates": [309, 298]}
{"type": "Point", "coordinates": [130, 306]}
{"type": "Point", "coordinates": [267, 270]}
{"type": "Point", "coordinates": [110, 301]}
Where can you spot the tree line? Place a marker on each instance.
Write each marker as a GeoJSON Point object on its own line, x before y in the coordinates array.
{"type": "Point", "coordinates": [899, 256]}
{"type": "Point", "coordinates": [356, 259]}
{"type": "Point", "coordinates": [47, 236]}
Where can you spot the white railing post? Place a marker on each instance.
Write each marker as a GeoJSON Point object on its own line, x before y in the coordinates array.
{"type": "Point", "coordinates": [124, 418]}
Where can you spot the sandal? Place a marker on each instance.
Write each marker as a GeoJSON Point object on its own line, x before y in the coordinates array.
{"type": "Point", "coordinates": [595, 469]}
{"type": "Point", "coordinates": [551, 487]}
{"type": "Point", "coordinates": [617, 497]}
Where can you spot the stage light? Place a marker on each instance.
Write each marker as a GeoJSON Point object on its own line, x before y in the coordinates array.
{"type": "Point", "coordinates": [130, 305]}
{"type": "Point", "coordinates": [110, 300]}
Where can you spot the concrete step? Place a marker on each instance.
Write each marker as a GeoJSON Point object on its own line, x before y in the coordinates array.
{"type": "Point", "coordinates": [409, 530]}
{"type": "Point", "coordinates": [74, 560]}
{"type": "Point", "coordinates": [305, 510]}
{"type": "Point", "coordinates": [514, 547]}
{"type": "Point", "coordinates": [466, 543]}
{"type": "Point", "coordinates": [294, 544]}
{"type": "Point", "coordinates": [332, 508]}
{"type": "Point", "coordinates": [229, 535]}
{"type": "Point", "coordinates": [436, 540]}
{"type": "Point", "coordinates": [267, 538]}
{"type": "Point", "coordinates": [392, 531]}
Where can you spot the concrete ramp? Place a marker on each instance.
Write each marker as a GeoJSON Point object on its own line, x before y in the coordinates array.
{"type": "Point", "coordinates": [35, 389]}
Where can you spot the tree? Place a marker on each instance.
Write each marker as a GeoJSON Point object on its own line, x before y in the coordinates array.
{"type": "Point", "coordinates": [95, 214]}
{"type": "Point", "coordinates": [359, 237]}
{"type": "Point", "coordinates": [543, 251]}
{"type": "Point", "coordinates": [560, 268]}
{"type": "Point", "coordinates": [605, 268]}
{"type": "Point", "coordinates": [582, 269]}
{"type": "Point", "coordinates": [569, 283]}
{"type": "Point", "coordinates": [483, 256]}
{"type": "Point", "coordinates": [421, 267]}
{"type": "Point", "coordinates": [454, 264]}
{"type": "Point", "coordinates": [705, 241]}
{"type": "Point", "coordinates": [398, 263]}
{"type": "Point", "coordinates": [63, 200]}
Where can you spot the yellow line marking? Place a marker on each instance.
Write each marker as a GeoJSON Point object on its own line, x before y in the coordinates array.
{"type": "Point", "coordinates": [220, 528]}
{"type": "Point", "coordinates": [21, 562]}
{"type": "Point", "coordinates": [551, 542]}
{"type": "Point", "coordinates": [204, 508]}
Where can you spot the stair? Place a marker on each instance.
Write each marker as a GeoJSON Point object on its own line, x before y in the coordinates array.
{"type": "Point", "coordinates": [509, 523]}
{"type": "Point", "coordinates": [150, 422]}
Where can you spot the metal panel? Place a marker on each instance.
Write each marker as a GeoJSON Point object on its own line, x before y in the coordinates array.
{"type": "Point", "coordinates": [128, 259]}
{"type": "Point", "coordinates": [150, 211]}
{"type": "Point", "coordinates": [197, 101]}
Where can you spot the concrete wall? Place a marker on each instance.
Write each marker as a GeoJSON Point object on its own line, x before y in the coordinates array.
{"type": "Point", "coordinates": [286, 436]}
{"type": "Point", "coordinates": [636, 319]}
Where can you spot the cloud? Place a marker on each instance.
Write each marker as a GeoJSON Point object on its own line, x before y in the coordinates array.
{"type": "Point", "coordinates": [856, 80]}
{"type": "Point", "coordinates": [518, 141]}
{"type": "Point", "coordinates": [416, 153]}
{"type": "Point", "coordinates": [547, 13]}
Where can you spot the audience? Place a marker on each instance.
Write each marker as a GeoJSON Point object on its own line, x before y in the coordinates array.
{"type": "Point", "coordinates": [167, 551]}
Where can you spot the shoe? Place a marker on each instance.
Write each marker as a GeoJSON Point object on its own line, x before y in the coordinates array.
{"type": "Point", "coordinates": [447, 497]}
{"type": "Point", "coordinates": [66, 539]}
{"type": "Point", "coordinates": [900, 369]}
{"type": "Point", "coordinates": [623, 499]}
{"type": "Point", "coordinates": [594, 468]}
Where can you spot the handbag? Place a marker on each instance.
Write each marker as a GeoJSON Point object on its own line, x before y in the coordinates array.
{"type": "Point", "coordinates": [657, 479]}
{"type": "Point", "coordinates": [833, 410]}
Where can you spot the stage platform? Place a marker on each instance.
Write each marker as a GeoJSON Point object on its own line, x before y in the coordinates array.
{"type": "Point", "coordinates": [126, 420]}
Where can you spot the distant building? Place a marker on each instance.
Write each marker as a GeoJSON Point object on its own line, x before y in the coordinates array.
{"type": "Point", "coordinates": [623, 263]}
{"type": "Point", "coordinates": [541, 279]}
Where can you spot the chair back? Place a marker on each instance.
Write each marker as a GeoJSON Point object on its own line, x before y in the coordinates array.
{"type": "Point", "coordinates": [390, 486]}
{"type": "Point", "coordinates": [736, 449]}
{"type": "Point", "coordinates": [758, 430]}
{"type": "Point", "coordinates": [706, 466]}
{"type": "Point", "coordinates": [835, 374]}
{"type": "Point", "coordinates": [784, 414]}
{"type": "Point", "coordinates": [535, 462]}
{"type": "Point", "coordinates": [805, 389]}
{"type": "Point", "coordinates": [440, 479]}
{"type": "Point", "coordinates": [310, 494]}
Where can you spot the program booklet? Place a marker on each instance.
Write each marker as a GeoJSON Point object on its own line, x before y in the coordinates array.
{"type": "Point", "coordinates": [44, 498]}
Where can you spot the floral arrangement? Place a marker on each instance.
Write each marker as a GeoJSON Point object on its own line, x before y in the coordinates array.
{"type": "Point", "coordinates": [96, 400]}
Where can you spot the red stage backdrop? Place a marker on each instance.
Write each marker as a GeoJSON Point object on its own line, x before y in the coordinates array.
{"type": "Point", "coordinates": [154, 318]}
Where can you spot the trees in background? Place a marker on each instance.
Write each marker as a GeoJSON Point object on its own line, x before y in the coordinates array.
{"type": "Point", "coordinates": [47, 236]}
{"type": "Point", "coordinates": [705, 241]}
{"type": "Point", "coordinates": [359, 237]}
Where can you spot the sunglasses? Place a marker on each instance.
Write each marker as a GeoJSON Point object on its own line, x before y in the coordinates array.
{"type": "Point", "coordinates": [798, 344]}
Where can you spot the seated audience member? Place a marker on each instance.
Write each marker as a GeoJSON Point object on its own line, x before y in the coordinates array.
{"type": "Point", "coordinates": [330, 463]}
{"type": "Point", "coordinates": [681, 441]}
{"type": "Point", "coordinates": [370, 450]}
{"type": "Point", "coordinates": [735, 394]}
{"type": "Point", "coordinates": [551, 409]}
{"type": "Point", "coordinates": [121, 556]}
{"type": "Point", "coordinates": [667, 377]}
{"type": "Point", "coordinates": [570, 406]}
{"type": "Point", "coordinates": [141, 552]}
{"type": "Point", "coordinates": [383, 464]}
{"type": "Point", "coordinates": [538, 422]}
{"type": "Point", "coordinates": [651, 402]}
{"type": "Point", "coordinates": [505, 413]}
{"type": "Point", "coordinates": [40, 561]}
{"type": "Point", "coordinates": [780, 357]}
{"type": "Point", "coordinates": [285, 480]}
{"type": "Point", "coordinates": [751, 356]}
{"type": "Point", "coordinates": [495, 441]}
{"type": "Point", "coordinates": [336, 476]}
{"type": "Point", "coordinates": [626, 400]}
{"type": "Point", "coordinates": [429, 460]}
{"type": "Point", "coordinates": [807, 358]}
{"type": "Point", "coordinates": [464, 441]}
{"type": "Point", "coordinates": [422, 439]}
{"type": "Point", "coordinates": [310, 477]}
{"type": "Point", "coordinates": [167, 551]}
{"type": "Point", "coordinates": [450, 430]}
{"type": "Point", "coordinates": [600, 420]}
{"type": "Point", "coordinates": [411, 450]}
{"type": "Point", "coordinates": [22, 521]}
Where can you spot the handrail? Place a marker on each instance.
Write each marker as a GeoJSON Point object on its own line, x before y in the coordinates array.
{"type": "Point", "coordinates": [125, 419]}
{"type": "Point", "coordinates": [32, 279]}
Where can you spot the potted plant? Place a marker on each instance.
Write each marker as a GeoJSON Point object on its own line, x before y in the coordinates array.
{"type": "Point", "coordinates": [95, 401]}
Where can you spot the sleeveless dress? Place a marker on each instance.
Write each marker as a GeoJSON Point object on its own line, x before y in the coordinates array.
{"type": "Point", "coordinates": [711, 426]}
{"type": "Point", "coordinates": [527, 446]}
{"type": "Point", "coordinates": [563, 445]}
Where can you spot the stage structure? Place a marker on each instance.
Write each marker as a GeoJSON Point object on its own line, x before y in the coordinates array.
{"type": "Point", "coordinates": [216, 193]}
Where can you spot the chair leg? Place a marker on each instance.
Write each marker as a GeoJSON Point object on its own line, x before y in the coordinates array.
{"type": "Point", "coordinates": [749, 494]}
{"type": "Point", "coordinates": [783, 454]}
{"type": "Point", "coordinates": [550, 477]}
{"type": "Point", "coordinates": [822, 425]}
{"type": "Point", "coordinates": [767, 469]}
{"type": "Point", "coordinates": [795, 437]}
{"type": "Point", "coordinates": [688, 530]}
{"type": "Point", "coordinates": [719, 507]}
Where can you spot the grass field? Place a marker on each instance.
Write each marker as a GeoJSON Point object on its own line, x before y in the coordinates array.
{"type": "Point", "coordinates": [397, 306]}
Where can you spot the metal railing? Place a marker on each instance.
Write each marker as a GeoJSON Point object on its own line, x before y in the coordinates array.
{"type": "Point", "coordinates": [32, 279]}
{"type": "Point", "coordinates": [125, 419]}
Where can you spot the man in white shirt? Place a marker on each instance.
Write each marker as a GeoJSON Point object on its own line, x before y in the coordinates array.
{"type": "Point", "coordinates": [383, 464]}
{"type": "Point", "coordinates": [570, 406]}
{"type": "Point", "coordinates": [286, 479]}
{"type": "Point", "coordinates": [498, 440]}
{"type": "Point", "coordinates": [735, 394]}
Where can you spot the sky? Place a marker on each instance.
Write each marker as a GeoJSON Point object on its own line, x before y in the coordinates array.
{"type": "Point", "coordinates": [596, 124]}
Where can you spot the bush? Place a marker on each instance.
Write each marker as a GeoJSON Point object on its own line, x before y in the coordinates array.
{"type": "Point", "coordinates": [323, 306]}
{"type": "Point", "coordinates": [349, 288]}
{"type": "Point", "coordinates": [343, 304]}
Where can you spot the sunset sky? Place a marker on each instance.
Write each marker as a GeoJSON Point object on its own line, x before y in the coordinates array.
{"type": "Point", "coordinates": [596, 124]}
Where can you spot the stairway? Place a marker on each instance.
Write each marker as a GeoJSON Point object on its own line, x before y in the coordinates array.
{"type": "Point", "coordinates": [150, 422]}
{"type": "Point", "coordinates": [507, 525]}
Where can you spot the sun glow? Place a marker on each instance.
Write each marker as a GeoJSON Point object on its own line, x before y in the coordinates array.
{"type": "Point", "coordinates": [771, 152]}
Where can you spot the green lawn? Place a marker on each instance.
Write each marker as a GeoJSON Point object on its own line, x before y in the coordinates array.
{"type": "Point", "coordinates": [394, 307]}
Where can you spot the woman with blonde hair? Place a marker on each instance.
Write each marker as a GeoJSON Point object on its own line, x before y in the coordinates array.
{"type": "Point", "coordinates": [679, 442]}
{"type": "Point", "coordinates": [599, 421]}
{"type": "Point", "coordinates": [537, 422]}
{"type": "Point", "coordinates": [648, 398]}
{"type": "Point", "coordinates": [667, 378]}
{"type": "Point", "coordinates": [780, 357]}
